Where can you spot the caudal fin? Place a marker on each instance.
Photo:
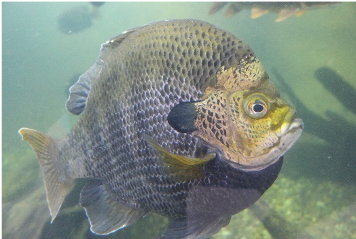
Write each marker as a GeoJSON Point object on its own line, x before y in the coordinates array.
{"type": "Point", "coordinates": [56, 183]}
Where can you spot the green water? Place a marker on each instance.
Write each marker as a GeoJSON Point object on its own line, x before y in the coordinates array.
{"type": "Point", "coordinates": [311, 59]}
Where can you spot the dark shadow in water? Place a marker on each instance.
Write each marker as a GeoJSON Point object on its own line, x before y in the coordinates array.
{"type": "Point", "coordinates": [338, 87]}
{"type": "Point", "coordinates": [336, 161]}
{"type": "Point", "coordinates": [277, 226]}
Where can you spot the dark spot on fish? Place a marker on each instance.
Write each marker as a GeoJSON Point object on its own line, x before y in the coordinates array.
{"type": "Point", "coordinates": [205, 125]}
{"type": "Point", "coordinates": [195, 52]}
{"type": "Point", "coordinates": [199, 43]}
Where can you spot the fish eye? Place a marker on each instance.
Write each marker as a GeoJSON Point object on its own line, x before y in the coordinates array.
{"type": "Point", "coordinates": [256, 107]}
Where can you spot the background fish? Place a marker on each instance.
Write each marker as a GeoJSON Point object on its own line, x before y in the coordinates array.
{"type": "Point", "coordinates": [258, 9]}
{"type": "Point", "coordinates": [178, 118]}
{"type": "Point", "coordinates": [78, 18]}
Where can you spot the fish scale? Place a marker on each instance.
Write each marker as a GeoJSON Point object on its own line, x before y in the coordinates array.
{"type": "Point", "coordinates": [140, 135]}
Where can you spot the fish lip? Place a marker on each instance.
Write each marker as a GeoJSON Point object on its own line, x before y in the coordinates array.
{"type": "Point", "coordinates": [288, 138]}
{"type": "Point", "coordinates": [290, 124]}
{"type": "Point", "coordinates": [296, 124]}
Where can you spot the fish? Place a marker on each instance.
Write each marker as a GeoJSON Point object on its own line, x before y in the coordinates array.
{"type": "Point", "coordinates": [178, 118]}
{"type": "Point", "coordinates": [75, 20]}
{"type": "Point", "coordinates": [258, 9]}
{"type": "Point", "coordinates": [79, 18]}
{"type": "Point", "coordinates": [97, 4]}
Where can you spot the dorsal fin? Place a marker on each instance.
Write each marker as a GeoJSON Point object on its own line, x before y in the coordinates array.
{"type": "Point", "coordinates": [79, 92]}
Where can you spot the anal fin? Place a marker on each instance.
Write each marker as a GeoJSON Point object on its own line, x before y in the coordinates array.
{"type": "Point", "coordinates": [193, 229]}
{"type": "Point", "coordinates": [106, 215]}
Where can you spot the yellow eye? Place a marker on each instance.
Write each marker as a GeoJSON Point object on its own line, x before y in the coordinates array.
{"type": "Point", "coordinates": [256, 106]}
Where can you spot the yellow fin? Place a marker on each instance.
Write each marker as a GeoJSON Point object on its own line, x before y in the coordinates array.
{"type": "Point", "coordinates": [299, 13]}
{"type": "Point", "coordinates": [286, 13]}
{"type": "Point", "coordinates": [184, 167]}
{"type": "Point", "coordinates": [257, 12]}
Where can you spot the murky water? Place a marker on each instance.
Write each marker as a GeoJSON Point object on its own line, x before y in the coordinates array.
{"type": "Point", "coordinates": [311, 59]}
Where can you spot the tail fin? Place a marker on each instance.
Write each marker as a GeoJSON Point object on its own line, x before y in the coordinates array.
{"type": "Point", "coordinates": [47, 151]}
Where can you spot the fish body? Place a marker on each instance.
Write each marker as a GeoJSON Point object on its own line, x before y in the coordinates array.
{"type": "Point", "coordinates": [176, 117]}
{"type": "Point", "coordinates": [284, 9]}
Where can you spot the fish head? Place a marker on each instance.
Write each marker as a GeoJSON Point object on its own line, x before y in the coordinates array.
{"type": "Point", "coordinates": [248, 123]}
{"type": "Point", "coordinates": [242, 118]}
{"type": "Point", "coordinates": [262, 125]}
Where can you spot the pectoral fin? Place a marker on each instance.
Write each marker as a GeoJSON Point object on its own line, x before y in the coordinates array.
{"type": "Point", "coordinates": [184, 167]}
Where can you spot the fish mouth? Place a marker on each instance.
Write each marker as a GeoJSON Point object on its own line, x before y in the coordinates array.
{"type": "Point", "coordinates": [289, 132]}
{"type": "Point", "coordinates": [290, 124]}
{"type": "Point", "coordinates": [297, 124]}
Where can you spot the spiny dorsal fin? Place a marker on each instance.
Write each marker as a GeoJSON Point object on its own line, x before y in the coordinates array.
{"type": "Point", "coordinates": [79, 92]}
{"type": "Point", "coordinates": [184, 167]}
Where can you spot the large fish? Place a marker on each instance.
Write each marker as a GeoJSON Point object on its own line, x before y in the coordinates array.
{"type": "Point", "coordinates": [178, 118]}
{"type": "Point", "coordinates": [258, 9]}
